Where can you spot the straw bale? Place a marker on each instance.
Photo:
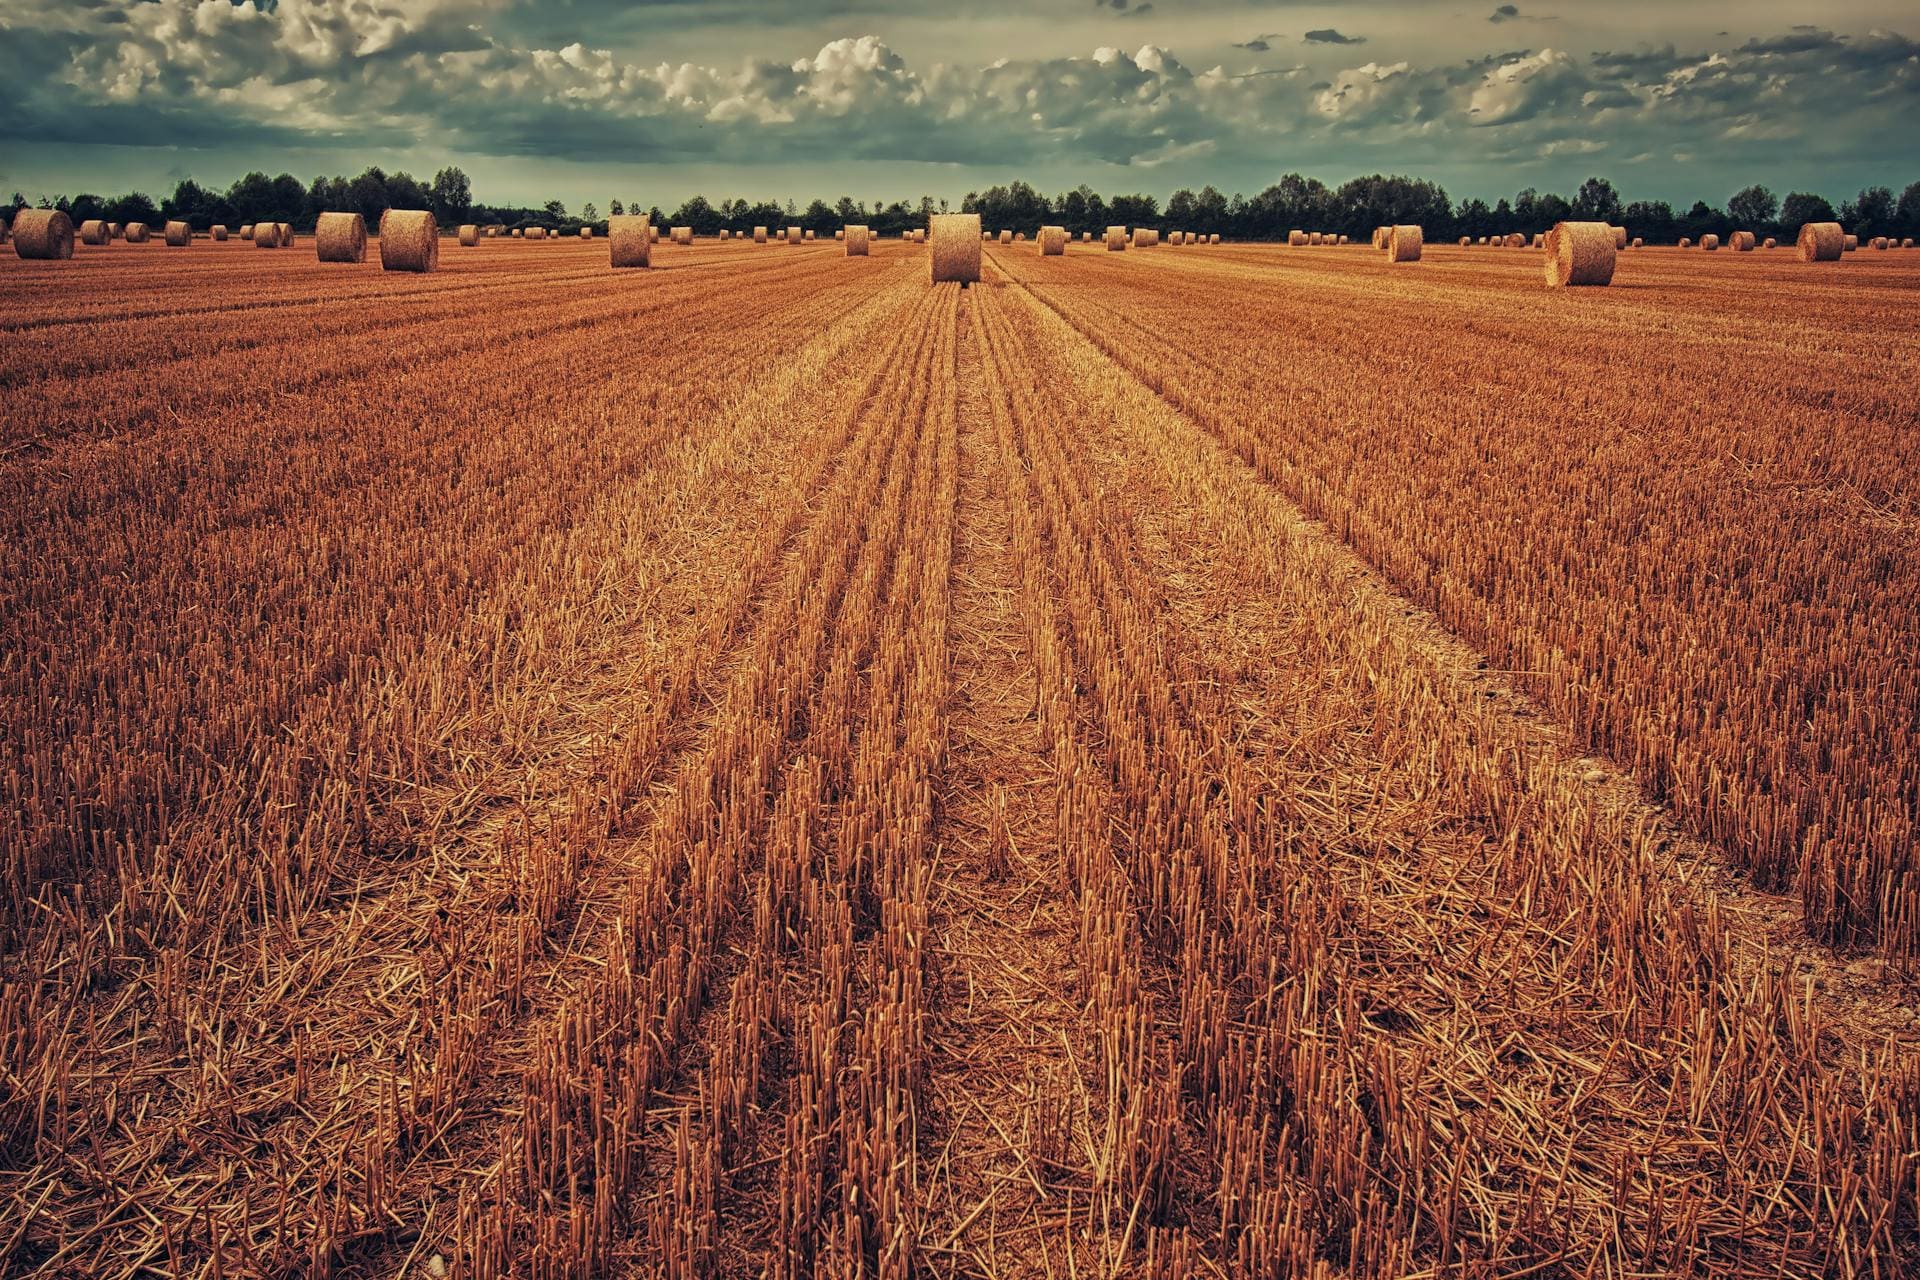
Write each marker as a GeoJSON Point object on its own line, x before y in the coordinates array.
{"type": "Point", "coordinates": [341, 237]}
{"type": "Point", "coordinates": [94, 231]}
{"type": "Point", "coordinates": [409, 241]}
{"type": "Point", "coordinates": [178, 233]}
{"type": "Point", "coordinates": [1580, 253]}
{"type": "Point", "coordinates": [43, 234]}
{"type": "Point", "coordinates": [1821, 242]}
{"type": "Point", "coordinates": [137, 233]}
{"type": "Point", "coordinates": [628, 241]}
{"type": "Point", "coordinates": [956, 247]}
{"type": "Point", "coordinates": [218, 231]}
{"type": "Point", "coordinates": [857, 238]}
{"type": "Point", "coordinates": [1116, 239]}
{"type": "Point", "coordinates": [1404, 243]}
{"type": "Point", "coordinates": [1052, 241]}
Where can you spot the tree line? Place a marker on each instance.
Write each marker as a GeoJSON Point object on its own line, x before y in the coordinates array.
{"type": "Point", "coordinates": [1294, 202]}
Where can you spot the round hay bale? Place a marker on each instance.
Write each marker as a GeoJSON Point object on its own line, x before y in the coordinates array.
{"type": "Point", "coordinates": [137, 233]}
{"type": "Point", "coordinates": [1052, 241]}
{"type": "Point", "coordinates": [409, 241]}
{"type": "Point", "coordinates": [342, 237]}
{"type": "Point", "coordinates": [1404, 243]}
{"type": "Point", "coordinates": [266, 235]}
{"type": "Point", "coordinates": [1821, 242]}
{"type": "Point", "coordinates": [628, 244]}
{"type": "Point", "coordinates": [1142, 237]}
{"type": "Point", "coordinates": [1006, 237]}
{"type": "Point", "coordinates": [286, 233]}
{"type": "Point", "coordinates": [518, 234]}
{"type": "Point", "coordinates": [919, 235]}
{"type": "Point", "coordinates": [1296, 238]}
{"type": "Point", "coordinates": [840, 233]}
{"type": "Point", "coordinates": [1619, 237]}
{"type": "Point", "coordinates": [1116, 239]}
{"type": "Point", "coordinates": [1580, 253]}
{"type": "Point", "coordinates": [1769, 243]}
{"type": "Point", "coordinates": [1639, 243]}
{"type": "Point", "coordinates": [114, 231]}
{"type": "Point", "coordinates": [94, 231]}
{"type": "Point", "coordinates": [1214, 238]}
{"type": "Point", "coordinates": [218, 231]}
{"type": "Point", "coordinates": [1686, 242]}
{"type": "Point", "coordinates": [682, 235]}
{"type": "Point", "coordinates": [1341, 240]}
{"type": "Point", "coordinates": [1380, 235]}
{"type": "Point", "coordinates": [177, 233]}
{"type": "Point", "coordinates": [806, 235]}
{"type": "Point", "coordinates": [1086, 237]}
{"type": "Point", "coordinates": [586, 233]}
{"type": "Point", "coordinates": [985, 236]}
{"type": "Point", "coordinates": [536, 233]}
{"type": "Point", "coordinates": [1742, 242]}
{"type": "Point", "coordinates": [793, 235]}
{"type": "Point", "coordinates": [1879, 242]}
{"type": "Point", "coordinates": [1852, 243]}
{"type": "Point", "coordinates": [1540, 240]}
{"type": "Point", "coordinates": [1906, 242]}
{"type": "Point", "coordinates": [1466, 242]}
{"type": "Point", "coordinates": [1313, 237]}
{"type": "Point", "coordinates": [1516, 241]}
{"type": "Point", "coordinates": [858, 239]}
{"type": "Point", "coordinates": [1483, 240]}
{"type": "Point", "coordinates": [956, 247]}
{"type": "Point", "coordinates": [759, 235]}
{"type": "Point", "coordinates": [469, 234]}
{"type": "Point", "coordinates": [42, 234]}
{"type": "Point", "coordinates": [1709, 242]}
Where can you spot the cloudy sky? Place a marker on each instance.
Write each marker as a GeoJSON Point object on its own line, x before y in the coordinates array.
{"type": "Point", "coordinates": [656, 100]}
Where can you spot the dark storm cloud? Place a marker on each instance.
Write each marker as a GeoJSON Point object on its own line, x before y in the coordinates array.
{"type": "Point", "coordinates": [1505, 13]}
{"type": "Point", "coordinates": [462, 77]}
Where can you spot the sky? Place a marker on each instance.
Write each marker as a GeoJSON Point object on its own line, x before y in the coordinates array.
{"type": "Point", "coordinates": [651, 102]}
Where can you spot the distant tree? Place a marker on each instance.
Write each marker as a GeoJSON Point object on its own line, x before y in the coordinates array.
{"type": "Point", "coordinates": [818, 218]}
{"type": "Point", "coordinates": [1701, 220]}
{"type": "Point", "coordinates": [367, 195]}
{"type": "Point", "coordinates": [615, 209]}
{"type": "Point", "coordinates": [699, 215]}
{"type": "Point", "coordinates": [1907, 212]}
{"type": "Point", "coordinates": [1652, 219]}
{"type": "Point", "coordinates": [451, 195]}
{"type": "Point", "coordinates": [847, 211]}
{"type": "Point", "coordinates": [1134, 210]}
{"type": "Point", "coordinates": [1800, 208]}
{"type": "Point", "coordinates": [1596, 201]}
{"type": "Point", "coordinates": [1181, 208]}
{"type": "Point", "coordinates": [1870, 213]}
{"type": "Point", "coordinates": [589, 212]}
{"type": "Point", "coordinates": [555, 209]}
{"type": "Point", "coordinates": [133, 207]}
{"type": "Point", "coordinates": [1753, 208]}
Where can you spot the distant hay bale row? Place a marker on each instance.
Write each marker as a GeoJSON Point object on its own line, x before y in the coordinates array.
{"type": "Point", "coordinates": [857, 238]}
{"type": "Point", "coordinates": [341, 237]}
{"type": "Point", "coordinates": [1580, 253]}
{"type": "Point", "coordinates": [409, 240]}
{"type": "Point", "coordinates": [1821, 242]}
{"type": "Point", "coordinates": [956, 247]}
{"type": "Point", "coordinates": [1403, 243]}
{"type": "Point", "coordinates": [1052, 241]}
{"type": "Point", "coordinates": [42, 234]}
{"type": "Point", "coordinates": [629, 240]}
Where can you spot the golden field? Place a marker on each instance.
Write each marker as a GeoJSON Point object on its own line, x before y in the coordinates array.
{"type": "Point", "coordinates": [1201, 761]}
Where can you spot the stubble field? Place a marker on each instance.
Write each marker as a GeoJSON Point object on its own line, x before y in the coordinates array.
{"type": "Point", "coordinates": [1208, 760]}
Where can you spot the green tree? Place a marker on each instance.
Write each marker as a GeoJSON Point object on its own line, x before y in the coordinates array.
{"type": "Point", "coordinates": [1596, 201]}
{"type": "Point", "coordinates": [1802, 207]}
{"type": "Point", "coordinates": [451, 195]}
{"type": "Point", "coordinates": [1753, 208]}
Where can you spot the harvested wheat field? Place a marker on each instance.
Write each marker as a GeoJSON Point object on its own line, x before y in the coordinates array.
{"type": "Point", "coordinates": [769, 766]}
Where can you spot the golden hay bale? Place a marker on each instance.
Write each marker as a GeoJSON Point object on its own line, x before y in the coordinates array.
{"type": "Point", "coordinates": [177, 233]}
{"type": "Point", "coordinates": [1341, 240]}
{"type": "Point", "coordinates": [1580, 253]}
{"type": "Point", "coordinates": [137, 233]}
{"type": "Point", "coordinates": [1879, 242]}
{"type": "Point", "coordinates": [1142, 237]}
{"type": "Point", "coordinates": [1852, 243]}
{"type": "Point", "coordinates": [1709, 242]}
{"type": "Point", "coordinates": [1313, 237]}
{"type": "Point", "coordinates": [286, 233]}
{"type": "Point", "coordinates": [1742, 242]}
{"type": "Point", "coordinates": [1540, 240]}
{"type": "Point", "coordinates": [342, 237]}
{"type": "Point", "coordinates": [1821, 242]}
{"type": "Point", "coordinates": [1404, 243]}
{"type": "Point", "coordinates": [759, 235]}
{"type": "Point", "coordinates": [409, 241]}
{"type": "Point", "coordinates": [218, 231]}
{"type": "Point", "coordinates": [1619, 237]}
{"type": "Point", "coordinates": [840, 233]}
{"type": "Point", "coordinates": [1296, 238]}
{"type": "Point", "coordinates": [1086, 237]}
{"type": "Point", "coordinates": [1116, 239]}
{"type": "Point", "coordinates": [1006, 237]}
{"type": "Point", "coordinates": [628, 244]}
{"type": "Point", "coordinates": [1516, 241]}
{"type": "Point", "coordinates": [985, 236]}
{"type": "Point", "coordinates": [536, 233]}
{"type": "Point", "coordinates": [44, 234]}
{"type": "Point", "coordinates": [1639, 243]}
{"type": "Point", "coordinates": [266, 235]}
{"type": "Point", "coordinates": [1686, 242]}
{"type": "Point", "coordinates": [1380, 235]}
{"type": "Point", "coordinates": [519, 234]}
{"type": "Point", "coordinates": [919, 235]}
{"type": "Point", "coordinates": [806, 235]}
{"type": "Point", "coordinates": [1214, 238]}
{"type": "Point", "coordinates": [1906, 242]}
{"type": "Point", "coordinates": [469, 235]}
{"type": "Point", "coordinates": [114, 231]}
{"type": "Point", "coordinates": [682, 235]}
{"type": "Point", "coordinates": [94, 231]}
{"type": "Point", "coordinates": [1769, 243]}
{"type": "Point", "coordinates": [1483, 239]}
{"type": "Point", "coordinates": [793, 235]}
{"type": "Point", "coordinates": [858, 239]}
{"type": "Point", "coordinates": [956, 247]}
{"type": "Point", "coordinates": [1052, 241]}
